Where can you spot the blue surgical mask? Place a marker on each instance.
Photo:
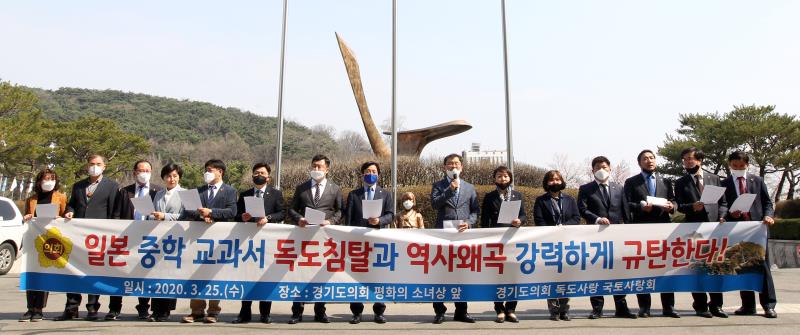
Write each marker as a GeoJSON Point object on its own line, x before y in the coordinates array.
{"type": "Point", "coordinates": [370, 179]}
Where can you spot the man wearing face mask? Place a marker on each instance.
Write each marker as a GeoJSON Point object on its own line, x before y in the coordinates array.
{"type": "Point", "coordinates": [601, 202]}
{"type": "Point", "coordinates": [688, 191]}
{"type": "Point", "coordinates": [738, 183]}
{"type": "Point", "coordinates": [219, 204]}
{"type": "Point", "coordinates": [273, 208]}
{"type": "Point", "coordinates": [454, 199]}
{"type": "Point", "coordinates": [323, 195]}
{"type": "Point", "coordinates": [91, 198]}
{"type": "Point", "coordinates": [370, 172]}
{"type": "Point", "coordinates": [637, 189]}
{"type": "Point", "coordinates": [490, 211]}
{"type": "Point", "coordinates": [123, 210]}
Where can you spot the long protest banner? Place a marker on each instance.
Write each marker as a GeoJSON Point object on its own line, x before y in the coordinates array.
{"type": "Point", "coordinates": [242, 261]}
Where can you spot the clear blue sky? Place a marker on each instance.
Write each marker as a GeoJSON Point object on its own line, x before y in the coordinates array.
{"type": "Point", "coordinates": [586, 77]}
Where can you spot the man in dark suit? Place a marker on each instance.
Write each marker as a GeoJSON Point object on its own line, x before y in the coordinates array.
{"type": "Point", "coordinates": [688, 191]}
{"type": "Point", "coordinates": [323, 195]}
{"type": "Point", "coordinates": [740, 182]}
{"type": "Point", "coordinates": [219, 204]}
{"type": "Point", "coordinates": [92, 198]}
{"type": "Point", "coordinates": [601, 202]}
{"type": "Point", "coordinates": [123, 210]}
{"type": "Point", "coordinates": [370, 172]}
{"type": "Point", "coordinates": [273, 208]}
{"type": "Point", "coordinates": [636, 190]}
{"type": "Point", "coordinates": [454, 199]}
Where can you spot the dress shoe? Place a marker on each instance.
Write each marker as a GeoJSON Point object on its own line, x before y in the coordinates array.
{"type": "Point", "coordinates": [356, 319]}
{"type": "Point", "coordinates": [565, 316]}
{"type": "Point", "coordinates": [718, 312]}
{"type": "Point", "coordinates": [438, 319]}
{"type": "Point", "coordinates": [379, 318]}
{"type": "Point", "coordinates": [91, 316]}
{"type": "Point", "coordinates": [111, 316]}
{"type": "Point", "coordinates": [67, 315]}
{"type": "Point", "coordinates": [626, 315]}
{"type": "Point", "coordinates": [26, 317]}
{"type": "Point", "coordinates": [464, 318]}
{"type": "Point", "coordinates": [210, 319]}
{"type": "Point", "coordinates": [37, 316]}
{"type": "Point", "coordinates": [143, 314]}
{"type": "Point", "coordinates": [511, 317]}
{"type": "Point", "coordinates": [745, 311]}
{"type": "Point", "coordinates": [769, 313]}
{"type": "Point", "coordinates": [671, 314]}
{"type": "Point", "coordinates": [240, 319]}
{"type": "Point", "coordinates": [644, 314]}
{"type": "Point", "coordinates": [322, 318]}
{"type": "Point", "coordinates": [295, 319]}
{"type": "Point", "coordinates": [595, 314]}
{"type": "Point", "coordinates": [192, 318]}
{"type": "Point", "coordinates": [705, 314]}
{"type": "Point", "coordinates": [265, 319]}
{"type": "Point", "coordinates": [501, 317]}
{"type": "Point", "coordinates": [554, 316]}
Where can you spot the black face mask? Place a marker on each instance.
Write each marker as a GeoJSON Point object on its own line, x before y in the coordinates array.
{"type": "Point", "coordinates": [693, 170]}
{"type": "Point", "coordinates": [555, 187]}
{"type": "Point", "coordinates": [259, 180]}
{"type": "Point", "coordinates": [502, 186]}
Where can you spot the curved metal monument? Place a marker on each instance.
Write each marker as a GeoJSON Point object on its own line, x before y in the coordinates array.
{"type": "Point", "coordinates": [409, 142]}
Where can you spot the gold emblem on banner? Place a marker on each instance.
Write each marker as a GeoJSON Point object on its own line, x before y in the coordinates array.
{"type": "Point", "coordinates": [53, 248]}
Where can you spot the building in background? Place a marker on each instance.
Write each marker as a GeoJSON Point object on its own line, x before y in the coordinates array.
{"type": "Point", "coordinates": [475, 155]}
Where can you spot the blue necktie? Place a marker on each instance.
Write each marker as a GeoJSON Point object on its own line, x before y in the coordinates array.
{"type": "Point", "coordinates": [369, 193]}
{"type": "Point", "coordinates": [210, 195]}
{"type": "Point", "coordinates": [651, 185]}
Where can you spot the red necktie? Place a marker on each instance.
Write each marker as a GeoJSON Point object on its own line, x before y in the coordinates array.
{"type": "Point", "coordinates": [743, 190]}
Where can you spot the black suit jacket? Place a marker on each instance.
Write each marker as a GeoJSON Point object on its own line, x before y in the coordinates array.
{"type": "Point", "coordinates": [330, 202]}
{"type": "Point", "coordinates": [100, 206]}
{"type": "Point", "coordinates": [223, 206]}
{"type": "Point", "coordinates": [273, 204]}
{"type": "Point", "coordinates": [353, 210]}
{"type": "Point", "coordinates": [686, 194]}
{"type": "Point", "coordinates": [592, 206]}
{"type": "Point", "coordinates": [762, 205]}
{"type": "Point", "coordinates": [123, 207]}
{"type": "Point", "coordinates": [544, 212]}
{"type": "Point", "coordinates": [490, 209]}
{"type": "Point", "coordinates": [636, 191]}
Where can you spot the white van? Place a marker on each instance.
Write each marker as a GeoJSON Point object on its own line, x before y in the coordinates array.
{"type": "Point", "coordinates": [11, 230]}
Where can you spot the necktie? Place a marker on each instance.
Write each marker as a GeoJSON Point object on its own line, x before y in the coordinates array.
{"type": "Point", "coordinates": [259, 194]}
{"type": "Point", "coordinates": [604, 189]}
{"type": "Point", "coordinates": [651, 185]}
{"type": "Point", "coordinates": [211, 194]}
{"type": "Point", "coordinates": [699, 181]}
{"type": "Point", "coordinates": [137, 215]}
{"type": "Point", "coordinates": [369, 193]}
{"type": "Point", "coordinates": [317, 195]}
{"type": "Point", "coordinates": [743, 190]}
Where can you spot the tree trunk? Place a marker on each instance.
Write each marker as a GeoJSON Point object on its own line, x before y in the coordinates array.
{"type": "Point", "coordinates": [780, 186]}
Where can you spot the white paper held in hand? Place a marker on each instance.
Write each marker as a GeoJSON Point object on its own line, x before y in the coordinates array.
{"type": "Point", "coordinates": [190, 199]}
{"type": "Point", "coordinates": [711, 194]}
{"type": "Point", "coordinates": [656, 201]}
{"type": "Point", "coordinates": [743, 203]}
{"type": "Point", "coordinates": [143, 205]}
{"type": "Point", "coordinates": [46, 210]}
{"type": "Point", "coordinates": [314, 216]}
{"type": "Point", "coordinates": [371, 208]}
{"type": "Point", "coordinates": [509, 211]}
{"type": "Point", "coordinates": [451, 224]}
{"type": "Point", "coordinates": [254, 206]}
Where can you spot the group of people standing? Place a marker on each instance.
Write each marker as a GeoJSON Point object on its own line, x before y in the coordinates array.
{"type": "Point", "coordinates": [599, 202]}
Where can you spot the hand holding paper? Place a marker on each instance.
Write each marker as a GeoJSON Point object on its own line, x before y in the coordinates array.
{"type": "Point", "coordinates": [509, 210]}
{"type": "Point", "coordinates": [254, 206]}
{"type": "Point", "coordinates": [743, 203]}
{"type": "Point", "coordinates": [656, 201]}
{"type": "Point", "coordinates": [371, 208]}
{"type": "Point", "coordinates": [314, 217]}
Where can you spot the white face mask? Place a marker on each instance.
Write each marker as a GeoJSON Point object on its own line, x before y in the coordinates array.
{"type": "Point", "coordinates": [453, 174]}
{"type": "Point", "coordinates": [316, 175]}
{"type": "Point", "coordinates": [95, 170]}
{"type": "Point", "coordinates": [408, 204]}
{"type": "Point", "coordinates": [143, 177]}
{"type": "Point", "coordinates": [48, 185]}
{"type": "Point", "coordinates": [738, 173]}
{"type": "Point", "coordinates": [601, 175]}
{"type": "Point", "coordinates": [208, 177]}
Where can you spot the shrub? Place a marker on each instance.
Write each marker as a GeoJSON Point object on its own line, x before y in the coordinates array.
{"type": "Point", "coordinates": [788, 209]}
{"type": "Point", "coordinates": [785, 229]}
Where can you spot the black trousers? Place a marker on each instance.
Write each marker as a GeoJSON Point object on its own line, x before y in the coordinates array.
{"type": "Point", "coordinates": [74, 302]}
{"type": "Point", "coordinates": [357, 308]}
{"type": "Point", "coordinates": [115, 304]}
{"type": "Point", "coordinates": [767, 296]}
{"type": "Point", "coordinates": [439, 308]}
{"type": "Point", "coordinates": [702, 302]}
{"type": "Point", "coordinates": [667, 302]}
{"type": "Point", "coordinates": [558, 306]}
{"type": "Point", "coordinates": [163, 306]}
{"type": "Point", "coordinates": [298, 307]}
{"type": "Point", "coordinates": [509, 307]}
{"type": "Point", "coordinates": [620, 303]}
{"type": "Point", "coordinates": [36, 299]}
{"type": "Point", "coordinates": [264, 308]}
